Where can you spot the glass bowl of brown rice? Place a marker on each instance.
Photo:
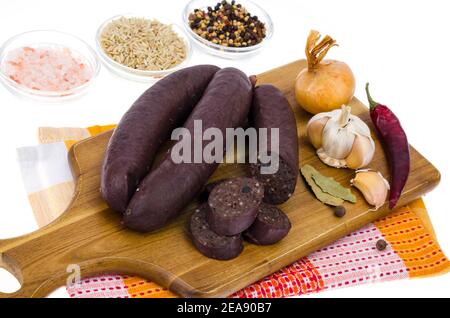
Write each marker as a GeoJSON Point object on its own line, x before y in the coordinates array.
{"type": "Point", "coordinates": [141, 48]}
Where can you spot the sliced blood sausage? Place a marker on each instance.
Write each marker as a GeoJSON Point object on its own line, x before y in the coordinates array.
{"type": "Point", "coordinates": [234, 205]}
{"type": "Point", "coordinates": [145, 127]}
{"type": "Point", "coordinates": [270, 109]}
{"type": "Point", "coordinates": [170, 187]}
{"type": "Point", "coordinates": [271, 226]}
{"type": "Point", "coordinates": [210, 243]}
{"type": "Point", "coordinates": [207, 189]}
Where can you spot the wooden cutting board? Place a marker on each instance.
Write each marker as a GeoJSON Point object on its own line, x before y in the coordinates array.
{"type": "Point", "coordinates": [90, 235]}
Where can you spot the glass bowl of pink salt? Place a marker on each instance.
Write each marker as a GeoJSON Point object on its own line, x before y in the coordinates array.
{"type": "Point", "coordinates": [48, 65]}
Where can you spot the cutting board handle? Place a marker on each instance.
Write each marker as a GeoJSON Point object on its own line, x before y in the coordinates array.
{"type": "Point", "coordinates": [10, 266]}
{"type": "Point", "coordinates": [38, 280]}
{"type": "Point", "coordinates": [14, 268]}
{"type": "Point", "coordinates": [18, 256]}
{"type": "Point", "coordinates": [42, 263]}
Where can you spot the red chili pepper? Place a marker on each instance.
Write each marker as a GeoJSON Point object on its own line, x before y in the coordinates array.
{"type": "Point", "coordinates": [395, 144]}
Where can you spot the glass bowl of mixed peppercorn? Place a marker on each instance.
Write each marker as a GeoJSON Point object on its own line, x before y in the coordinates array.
{"type": "Point", "coordinates": [230, 29]}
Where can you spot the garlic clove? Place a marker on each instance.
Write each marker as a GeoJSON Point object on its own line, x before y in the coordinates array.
{"type": "Point", "coordinates": [362, 152]}
{"type": "Point", "coordinates": [337, 142]}
{"type": "Point", "coordinates": [373, 186]}
{"type": "Point", "coordinates": [332, 162]}
{"type": "Point", "coordinates": [314, 131]}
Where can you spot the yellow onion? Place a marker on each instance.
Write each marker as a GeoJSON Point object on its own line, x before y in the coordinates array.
{"type": "Point", "coordinates": [325, 85]}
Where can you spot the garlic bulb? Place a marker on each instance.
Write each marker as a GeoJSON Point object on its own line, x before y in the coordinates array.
{"type": "Point", "coordinates": [342, 140]}
{"type": "Point", "coordinates": [372, 185]}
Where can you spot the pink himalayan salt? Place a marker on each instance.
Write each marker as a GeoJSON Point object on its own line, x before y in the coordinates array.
{"type": "Point", "coordinates": [53, 69]}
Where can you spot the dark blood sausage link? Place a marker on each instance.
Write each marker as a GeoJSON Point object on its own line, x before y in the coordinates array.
{"type": "Point", "coordinates": [208, 242]}
{"type": "Point", "coordinates": [271, 226]}
{"type": "Point", "coordinates": [169, 188]}
{"type": "Point", "coordinates": [271, 110]}
{"type": "Point", "coordinates": [234, 205]}
{"type": "Point", "coordinates": [143, 129]}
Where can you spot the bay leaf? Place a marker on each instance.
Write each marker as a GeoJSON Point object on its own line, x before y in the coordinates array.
{"type": "Point", "coordinates": [308, 172]}
{"type": "Point", "coordinates": [332, 187]}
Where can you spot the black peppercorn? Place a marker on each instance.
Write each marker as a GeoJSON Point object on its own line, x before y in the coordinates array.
{"type": "Point", "coordinates": [228, 24]}
{"type": "Point", "coordinates": [339, 211]}
{"type": "Point", "coordinates": [381, 245]}
{"type": "Point", "coordinates": [246, 189]}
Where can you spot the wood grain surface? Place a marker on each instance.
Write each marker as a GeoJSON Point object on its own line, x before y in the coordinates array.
{"type": "Point", "coordinates": [90, 236]}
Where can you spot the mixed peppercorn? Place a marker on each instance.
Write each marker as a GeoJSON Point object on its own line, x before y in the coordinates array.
{"type": "Point", "coordinates": [228, 24]}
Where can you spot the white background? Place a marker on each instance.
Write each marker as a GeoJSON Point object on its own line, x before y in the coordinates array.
{"type": "Point", "coordinates": [401, 47]}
